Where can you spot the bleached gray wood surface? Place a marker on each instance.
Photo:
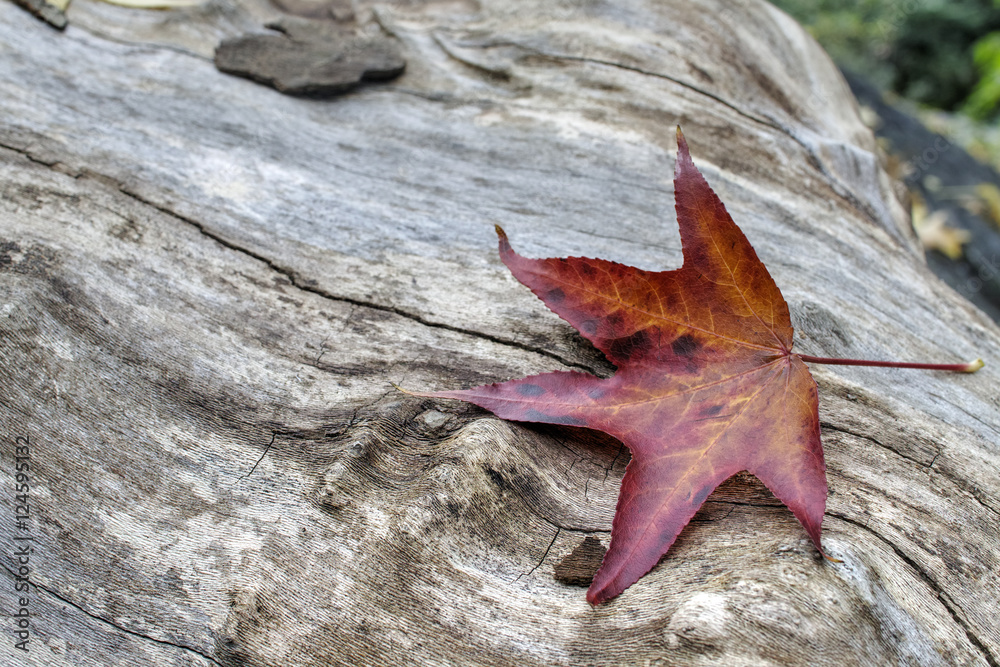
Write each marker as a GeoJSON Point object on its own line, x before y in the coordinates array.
{"type": "Point", "coordinates": [208, 287]}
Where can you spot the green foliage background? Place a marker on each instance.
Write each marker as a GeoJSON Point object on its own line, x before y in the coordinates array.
{"type": "Point", "coordinates": [940, 53]}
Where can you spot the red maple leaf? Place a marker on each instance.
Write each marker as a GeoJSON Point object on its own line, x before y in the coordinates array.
{"type": "Point", "coordinates": [706, 386]}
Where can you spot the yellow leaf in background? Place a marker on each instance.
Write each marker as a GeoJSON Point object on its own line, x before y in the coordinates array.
{"type": "Point", "coordinates": [990, 194]}
{"type": "Point", "coordinates": [935, 233]}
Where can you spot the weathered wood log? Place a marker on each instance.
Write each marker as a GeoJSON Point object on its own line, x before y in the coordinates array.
{"type": "Point", "coordinates": [208, 288]}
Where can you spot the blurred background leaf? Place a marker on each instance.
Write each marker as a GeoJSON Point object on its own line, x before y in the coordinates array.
{"type": "Point", "coordinates": [927, 76]}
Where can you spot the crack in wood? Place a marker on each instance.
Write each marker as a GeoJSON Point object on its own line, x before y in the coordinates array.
{"type": "Point", "coordinates": [839, 188]}
{"type": "Point", "coordinates": [835, 184]}
{"type": "Point", "coordinates": [927, 466]}
{"type": "Point", "coordinates": [607, 471]}
{"type": "Point", "coordinates": [971, 415]}
{"type": "Point", "coordinates": [164, 642]}
{"type": "Point", "coordinates": [263, 454]}
{"type": "Point", "coordinates": [571, 529]}
{"type": "Point", "coordinates": [841, 429]}
{"type": "Point", "coordinates": [301, 284]}
{"type": "Point", "coordinates": [940, 593]}
{"type": "Point", "coordinates": [542, 560]}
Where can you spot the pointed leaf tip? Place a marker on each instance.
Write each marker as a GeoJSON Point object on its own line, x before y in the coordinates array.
{"type": "Point", "coordinates": [505, 249]}
{"type": "Point", "coordinates": [683, 154]}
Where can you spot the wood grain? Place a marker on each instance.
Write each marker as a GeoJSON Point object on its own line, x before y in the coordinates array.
{"type": "Point", "coordinates": [208, 289]}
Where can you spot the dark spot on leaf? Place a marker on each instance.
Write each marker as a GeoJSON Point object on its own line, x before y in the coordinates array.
{"type": "Point", "coordinates": [556, 296]}
{"type": "Point", "coordinates": [596, 393]}
{"type": "Point", "coordinates": [565, 420]}
{"type": "Point", "coordinates": [685, 346]}
{"type": "Point", "coordinates": [529, 389]}
{"type": "Point", "coordinates": [711, 410]}
{"type": "Point", "coordinates": [699, 497]}
{"type": "Point", "coordinates": [623, 348]}
{"type": "Point", "coordinates": [588, 327]}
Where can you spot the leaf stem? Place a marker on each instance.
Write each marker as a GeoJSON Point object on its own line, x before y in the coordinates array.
{"type": "Point", "coordinates": [970, 367]}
